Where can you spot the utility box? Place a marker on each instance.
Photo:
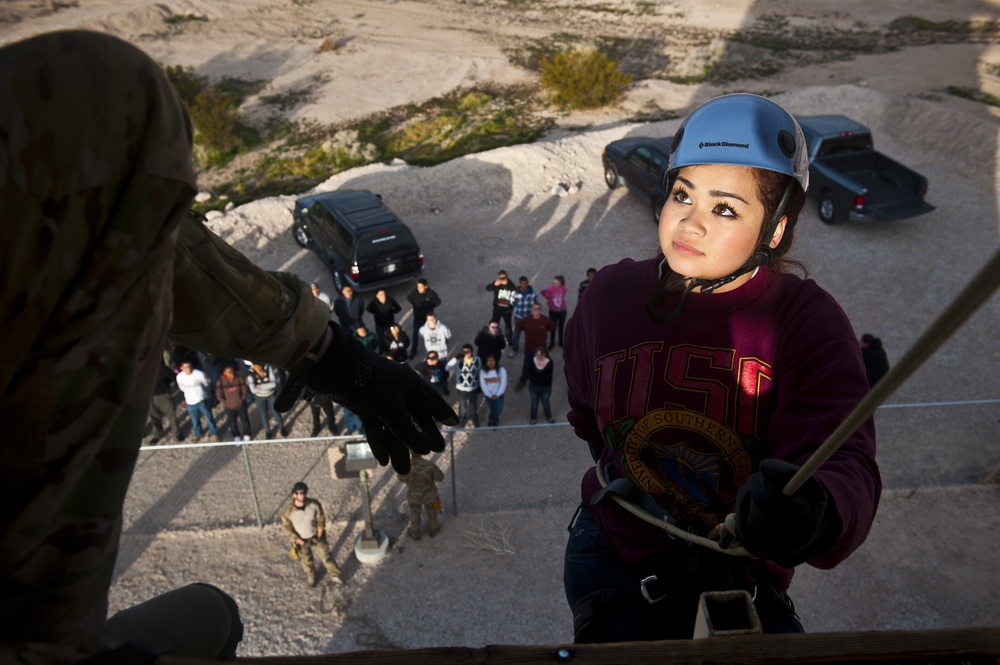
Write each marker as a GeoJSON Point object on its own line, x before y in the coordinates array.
{"type": "Point", "coordinates": [726, 613]}
{"type": "Point", "coordinates": [359, 457]}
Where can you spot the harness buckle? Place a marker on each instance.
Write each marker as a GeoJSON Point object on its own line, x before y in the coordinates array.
{"type": "Point", "coordinates": [645, 591]}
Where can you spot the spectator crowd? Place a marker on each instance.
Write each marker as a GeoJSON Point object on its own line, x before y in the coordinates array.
{"type": "Point", "coordinates": [475, 375]}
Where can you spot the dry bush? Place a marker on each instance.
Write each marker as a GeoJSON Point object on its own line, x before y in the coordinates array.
{"type": "Point", "coordinates": [494, 539]}
{"type": "Point", "coordinates": [584, 78]}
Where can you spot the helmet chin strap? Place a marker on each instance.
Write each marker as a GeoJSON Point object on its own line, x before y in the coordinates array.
{"type": "Point", "coordinates": [761, 256]}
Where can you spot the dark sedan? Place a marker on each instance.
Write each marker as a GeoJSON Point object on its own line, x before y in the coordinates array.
{"type": "Point", "coordinates": [641, 163]}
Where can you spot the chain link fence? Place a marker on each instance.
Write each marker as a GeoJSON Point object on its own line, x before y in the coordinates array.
{"type": "Point", "coordinates": [215, 485]}
{"type": "Point", "coordinates": [189, 487]}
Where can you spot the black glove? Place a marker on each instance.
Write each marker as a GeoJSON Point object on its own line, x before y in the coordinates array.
{"type": "Point", "coordinates": [785, 529]}
{"type": "Point", "coordinates": [396, 406]}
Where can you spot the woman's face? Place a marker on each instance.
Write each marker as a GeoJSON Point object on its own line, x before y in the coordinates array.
{"type": "Point", "coordinates": [711, 221]}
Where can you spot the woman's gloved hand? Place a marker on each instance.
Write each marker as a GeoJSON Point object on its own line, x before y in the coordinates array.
{"type": "Point", "coordinates": [785, 529]}
{"type": "Point", "coordinates": [397, 407]}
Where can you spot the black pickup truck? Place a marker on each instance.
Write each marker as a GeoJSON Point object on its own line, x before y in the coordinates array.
{"type": "Point", "coordinates": [851, 180]}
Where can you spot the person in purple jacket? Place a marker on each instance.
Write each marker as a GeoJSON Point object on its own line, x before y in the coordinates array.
{"type": "Point", "coordinates": [702, 379]}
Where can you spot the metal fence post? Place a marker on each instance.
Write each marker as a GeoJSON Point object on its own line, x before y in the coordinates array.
{"type": "Point", "coordinates": [454, 487]}
{"type": "Point", "coordinates": [253, 488]}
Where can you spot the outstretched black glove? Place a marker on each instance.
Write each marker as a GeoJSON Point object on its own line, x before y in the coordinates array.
{"type": "Point", "coordinates": [397, 408]}
{"type": "Point", "coordinates": [785, 529]}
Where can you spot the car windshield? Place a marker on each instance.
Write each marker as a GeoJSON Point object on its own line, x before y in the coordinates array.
{"type": "Point", "coordinates": [383, 241]}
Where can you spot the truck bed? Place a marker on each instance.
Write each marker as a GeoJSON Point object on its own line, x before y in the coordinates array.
{"type": "Point", "coordinates": [892, 191]}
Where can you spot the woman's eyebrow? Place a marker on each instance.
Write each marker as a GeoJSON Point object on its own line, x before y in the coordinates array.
{"type": "Point", "coordinates": [714, 192]}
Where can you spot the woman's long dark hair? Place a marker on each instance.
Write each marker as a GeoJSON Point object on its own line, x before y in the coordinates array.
{"type": "Point", "coordinates": [771, 186]}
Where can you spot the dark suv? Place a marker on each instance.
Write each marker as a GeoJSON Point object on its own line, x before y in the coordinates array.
{"type": "Point", "coordinates": [359, 239]}
{"type": "Point", "coordinates": [641, 163]}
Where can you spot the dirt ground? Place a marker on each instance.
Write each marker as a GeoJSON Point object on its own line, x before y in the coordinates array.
{"type": "Point", "coordinates": [920, 569]}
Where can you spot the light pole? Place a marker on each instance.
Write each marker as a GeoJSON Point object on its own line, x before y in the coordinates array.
{"type": "Point", "coordinates": [371, 544]}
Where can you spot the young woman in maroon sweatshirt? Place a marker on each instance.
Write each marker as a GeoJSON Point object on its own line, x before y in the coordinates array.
{"type": "Point", "coordinates": [701, 380]}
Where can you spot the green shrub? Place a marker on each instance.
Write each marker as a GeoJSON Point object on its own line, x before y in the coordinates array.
{"type": "Point", "coordinates": [920, 24]}
{"type": "Point", "coordinates": [972, 95]}
{"type": "Point", "coordinates": [219, 132]}
{"type": "Point", "coordinates": [584, 78]}
{"type": "Point", "coordinates": [215, 121]}
{"type": "Point", "coordinates": [175, 19]}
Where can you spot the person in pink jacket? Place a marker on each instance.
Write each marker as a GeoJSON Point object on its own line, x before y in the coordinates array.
{"type": "Point", "coordinates": [556, 297]}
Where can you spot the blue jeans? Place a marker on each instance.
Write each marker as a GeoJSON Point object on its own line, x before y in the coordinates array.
{"type": "Point", "coordinates": [592, 567]}
{"type": "Point", "coordinates": [352, 423]}
{"type": "Point", "coordinates": [540, 394]}
{"type": "Point", "coordinates": [558, 318]}
{"type": "Point", "coordinates": [495, 407]}
{"type": "Point", "coordinates": [239, 421]}
{"type": "Point", "coordinates": [468, 407]}
{"type": "Point", "coordinates": [265, 406]}
{"type": "Point", "coordinates": [201, 408]}
{"type": "Point", "coordinates": [515, 336]}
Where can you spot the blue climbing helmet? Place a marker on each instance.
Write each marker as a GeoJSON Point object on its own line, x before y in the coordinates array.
{"type": "Point", "coordinates": [741, 130]}
{"type": "Point", "coordinates": [737, 130]}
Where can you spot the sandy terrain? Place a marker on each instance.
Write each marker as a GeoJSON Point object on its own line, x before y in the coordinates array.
{"type": "Point", "coordinates": [497, 210]}
{"type": "Point", "coordinates": [396, 52]}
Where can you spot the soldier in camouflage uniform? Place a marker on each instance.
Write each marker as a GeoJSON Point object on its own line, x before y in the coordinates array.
{"type": "Point", "coordinates": [95, 186]}
{"type": "Point", "coordinates": [305, 522]}
{"type": "Point", "coordinates": [101, 257]}
{"type": "Point", "coordinates": [421, 493]}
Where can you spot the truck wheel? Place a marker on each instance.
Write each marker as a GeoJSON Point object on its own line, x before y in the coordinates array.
{"type": "Point", "coordinates": [611, 176]}
{"type": "Point", "coordinates": [657, 211]}
{"type": "Point", "coordinates": [301, 235]}
{"type": "Point", "coordinates": [828, 211]}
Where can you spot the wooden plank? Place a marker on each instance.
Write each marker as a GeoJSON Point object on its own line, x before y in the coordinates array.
{"type": "Point", "coordinates": [972, 645]}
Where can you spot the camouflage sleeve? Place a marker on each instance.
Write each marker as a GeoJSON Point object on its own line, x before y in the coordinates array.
{"type": "Point", "coordinates": [438, 474]}
{"type": "Point", "coordinates": [320, 516]}
{"type": "Point", "coordinates": [286, 522]}
{"type": "Point", "coordinates": [226, 305]}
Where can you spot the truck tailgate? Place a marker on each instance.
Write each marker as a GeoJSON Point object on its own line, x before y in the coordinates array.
{"type": "Point", "coordinates": [901, 208]}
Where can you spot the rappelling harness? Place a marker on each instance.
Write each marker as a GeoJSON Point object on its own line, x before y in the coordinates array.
{"type": "Point", "coordinates": [627, 495]}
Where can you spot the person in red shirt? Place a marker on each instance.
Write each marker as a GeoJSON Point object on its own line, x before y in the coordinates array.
{"type": "Point", "coordinates": [536, 329]}
{"type": "Point", "coordinates": [232, 391]}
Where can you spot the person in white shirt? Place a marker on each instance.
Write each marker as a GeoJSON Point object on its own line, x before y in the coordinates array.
{"type": "Point", "coordinates": [321, 295]}
{"type": "Point", "coordinates": [264, 386]}
{"type": "Point", "coordinates": [493, 383]}
{"type": "Point", "coordinates": [436, 336]}
{"type": "Point", "coordinates": [195, 386]}
{"type": "Point", "coordinates": [466, 368]}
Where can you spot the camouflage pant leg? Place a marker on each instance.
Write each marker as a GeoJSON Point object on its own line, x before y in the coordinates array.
{"type": "Point", "coordinates": [432, 517]}
{"type": "Point", "coordinates": [323, 552]}
{"type": "Point", "coordinates": [306, 557]}
{"type": "Point", "coordinates": [415, 509]}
